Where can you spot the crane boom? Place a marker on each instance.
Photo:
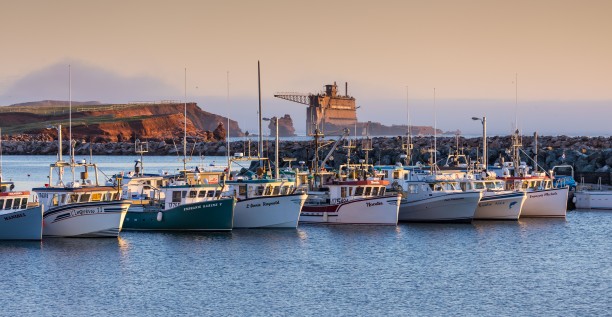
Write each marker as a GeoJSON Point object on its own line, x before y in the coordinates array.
{"type": "Point", "coordinates": [295, 97]}
{"type": "Point", "coordinates": [345, 133]}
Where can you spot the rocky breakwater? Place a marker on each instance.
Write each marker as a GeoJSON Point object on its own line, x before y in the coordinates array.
{"type": "Point", "coordinates": [585, 154]}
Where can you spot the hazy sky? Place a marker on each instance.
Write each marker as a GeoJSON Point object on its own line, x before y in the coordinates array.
{"type": "Point", "coordinates": [469, 51]}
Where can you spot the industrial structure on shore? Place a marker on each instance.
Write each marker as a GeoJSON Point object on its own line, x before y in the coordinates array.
{"type": "Point", "coordinates": [326, 110]}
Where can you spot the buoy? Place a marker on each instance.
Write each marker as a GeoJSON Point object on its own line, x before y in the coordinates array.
{"type": "Point", "coordinates": [160, 215]}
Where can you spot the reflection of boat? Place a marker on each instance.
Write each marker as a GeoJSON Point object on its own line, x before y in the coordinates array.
{"type": "Point", "coordinates": [19, 219]}
{"type": "Point", "coordinates": [82, 207]}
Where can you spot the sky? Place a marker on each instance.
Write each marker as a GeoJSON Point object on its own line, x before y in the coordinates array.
{"type": "Point", "coordinates": [393, 54]}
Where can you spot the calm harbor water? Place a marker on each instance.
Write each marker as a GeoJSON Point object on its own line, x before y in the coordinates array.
{"type": "Point", "coordinates": [549, 267]}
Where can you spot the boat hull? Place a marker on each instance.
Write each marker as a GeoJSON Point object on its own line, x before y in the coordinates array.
{"type": "Point", "coordinates": [594, 200]}
{"type": "Point", "coordinates": [502, 206]}
{"type": "Point", "coordinates": [87, 220]}
{"type": "Point", "coordinates": [376, 210]}
{"type": "Point", "coordinates": [269, 211]}
{"type": "Point", "coordinates": [450, 207]}
{"type": "Point", "coordinates": [546, 203]}
{"type": "Point", "coordinates": [212, 215]}
{"type": "Point", "coordinates": [22, 225]}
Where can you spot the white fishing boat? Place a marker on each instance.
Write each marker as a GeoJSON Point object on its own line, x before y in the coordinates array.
{"type": "Point", "coordinates": [264, 201]}
{"type": "Point", "coordinates": [427, 199]}
{"type": "Point", "coordinates": [543, 199]}
{"type": "Point", "coordinates": [351, 202]}
{"type": "Point", "coordinates": [20, 219]}
{"type": "Point", "coordinates": [496, 202]}
{"type": "Point", "coordinates": [80, 207]}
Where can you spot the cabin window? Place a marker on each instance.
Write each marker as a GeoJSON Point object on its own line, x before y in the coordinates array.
{"type": "Point", "coordinates": [359, 191]}
{"type": "Point", "coordinates": [176, 196]}
{"type": "Point", "coordinates": [96, 196]}
{"type": "Point", "coordinates": [16, 203]}
{"type": "Point", "coordinates": [202, 194]}
{"type": "Point", "coordinates": [479, 185]}
{"type": "Point", "coordinates": [85, 198]}
{"type": "Point", "coordinates": [9, 204]}
{"type": "Point", "coordinates": [268, 190]}
{"type": "Point", "coordinates": [368, 191]}
{"type": "Point", "coordinates": [343, 192]}
{"type": "Point", "coordinates": [1, 203]}
{"type": "Point", "coordinates": [184, 193]}
{"type": "Point", "coordinates": [413, 189]}
{"type": "Point", "coordinates": [73, 198]}
{"type": "Point", "coordinates": [464, 186]}
{"type": "Point", "coordinates": [396, 175]}
{"type": "Point", "coordinates": [54, 200]}
{"type": "Point", "coordinates": [381, 192]}
{"type": "Point", "coordinates": [276, 190]}
{"type": "Point", "coordinates": [375, 191]}
{"type": "Point", "coordinates": [210, 193]}
{"type": "Point", "coordinates": [193, 194]}
{"type": "Point", "coordinates": [24, 203]}
{"type": "Point", "coordinates": [525, 185]}
{"type": "Point", "coordinates": [350, 191]}
{"type": "Point", "coordinates": [62, 198]}
{"type": "Point", "coordinates": [284, 190]}
{"type": "Point", "coordinates": [406, 176]}
{"type": "Point", "coordinates": [260, 190]}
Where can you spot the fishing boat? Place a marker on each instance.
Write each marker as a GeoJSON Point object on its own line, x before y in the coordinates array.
{"type": "Point", "coordinates": [81, 207]}
{"type": "Point", "coordinates": [351, 196]}
{"type": "Point", "coordinates": [264, 201]}
{"type": "Point", "coordinates": [543, 199]}
{"type": "Point", "coordinates": [351, 201]}
{"type": "Point", "coordinates": [430, 198]}
{"type": "Point", "coordinates": [184, 202]}
{"type": "Point", "coordinates": [187, 201]}
{"type": "Point", "coordinates": [496, 202]}
{"type": "Point", "coordinates": [20, 219]}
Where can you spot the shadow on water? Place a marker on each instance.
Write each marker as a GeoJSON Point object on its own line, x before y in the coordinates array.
{"type": "Point", "coordinates": [17, 245]}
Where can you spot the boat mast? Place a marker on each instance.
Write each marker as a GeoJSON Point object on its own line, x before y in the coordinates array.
{"type": "Point", "coordinates": [435, 162]}
{"type": "Point", "coordinates": [185, 127]}
{"type": "Point", "coordinates": [227, 130]}
{"type": "Point", "coordinates": [260, 149]}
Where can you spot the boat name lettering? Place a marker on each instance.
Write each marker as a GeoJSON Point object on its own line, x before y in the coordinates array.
{"type": "Point", "coordinates": [339, 200]}
{"type": "Point", "coordinates": [272, 203]}
{"type": "Point", "coordinates": [545, 194]}
{"type": "Point", "coordinates": [253, 205]}
{"type": "Point", "coordinates": [200, 206]}
{"type": "Point", "coordinates": [80, 212]}
{"type": "Point", "coordinates": [43, 195]}
{"type": "Point", "coordinates": [374, 204]}
{"type": "Point", "coordinates": [15, 216]}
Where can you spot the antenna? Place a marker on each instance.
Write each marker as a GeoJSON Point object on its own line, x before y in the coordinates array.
{"type": "Point", "coordinates": [516, 101]}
